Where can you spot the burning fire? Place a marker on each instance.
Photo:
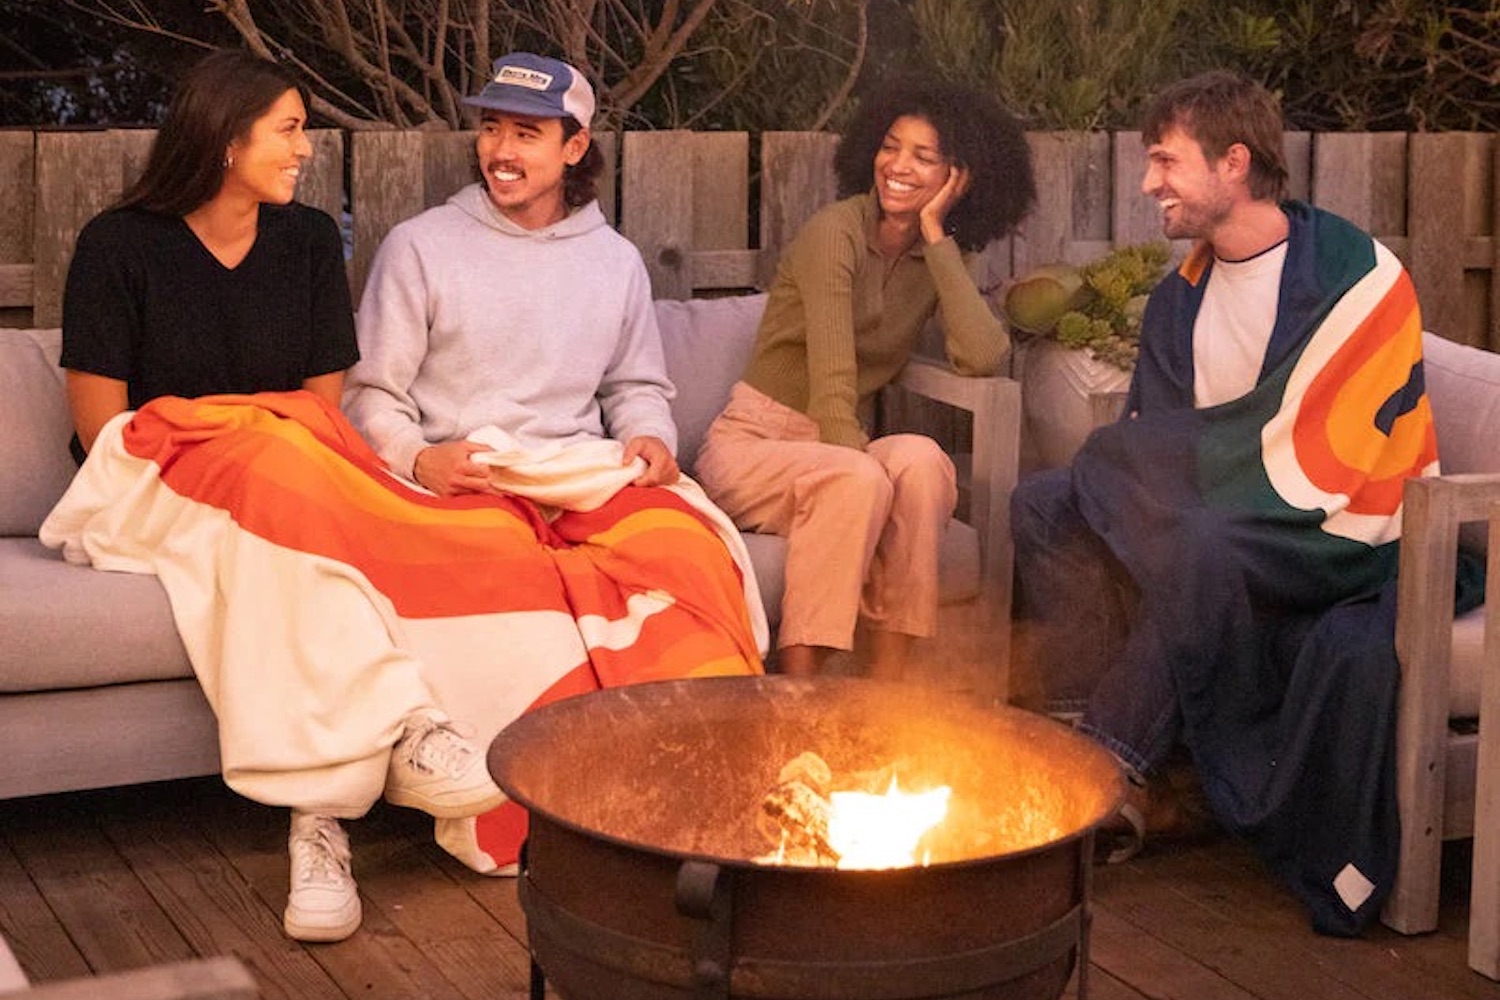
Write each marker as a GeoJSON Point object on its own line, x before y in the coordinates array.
{"type": "Point", "coordinates": [882, 831]}
{"type": "Point", "coordinates": [813, 825]}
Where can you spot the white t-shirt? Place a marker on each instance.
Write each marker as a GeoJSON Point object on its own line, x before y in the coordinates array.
{"type": "Point", "coordinates": [1234, 326]}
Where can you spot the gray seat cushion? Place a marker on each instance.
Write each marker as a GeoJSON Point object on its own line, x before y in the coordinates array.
{"type": "Point", "coordinates": [69, 626]}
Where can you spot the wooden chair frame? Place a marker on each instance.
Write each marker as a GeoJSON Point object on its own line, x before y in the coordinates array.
{"type": "Point", "coordinates": [1435, 767]}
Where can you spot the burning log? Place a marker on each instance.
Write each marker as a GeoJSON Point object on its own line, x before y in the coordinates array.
{"type": "Point", "coordinates": [796, 813]}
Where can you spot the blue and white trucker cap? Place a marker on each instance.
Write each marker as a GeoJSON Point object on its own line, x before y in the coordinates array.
{"type": "Point", "coordinates": [527, 84]}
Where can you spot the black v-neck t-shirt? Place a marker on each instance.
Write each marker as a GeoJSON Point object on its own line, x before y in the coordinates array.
{"type": "Point", "coordinates": [147, 303]}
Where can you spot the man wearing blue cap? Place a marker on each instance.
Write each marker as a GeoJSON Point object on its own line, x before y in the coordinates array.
{"type": "Point", "coordinates": [514, 304]}
{"type": "Point", "coordinates": [515, 310]}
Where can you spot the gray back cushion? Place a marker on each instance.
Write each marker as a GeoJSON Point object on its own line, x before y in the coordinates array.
{"type": "Point", "coordinates": [35, 466]}
{"type": "Point", "coordinates": [707, 343]}
{"type": "Point", "coordinates": [1464, 386]}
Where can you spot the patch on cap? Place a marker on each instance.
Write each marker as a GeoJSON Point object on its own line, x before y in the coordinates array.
{"type": "Point", "coordinates": [520, 76]}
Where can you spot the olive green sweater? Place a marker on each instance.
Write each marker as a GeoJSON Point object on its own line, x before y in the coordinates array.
{"type": "Point", "coordinates": [841, 320]}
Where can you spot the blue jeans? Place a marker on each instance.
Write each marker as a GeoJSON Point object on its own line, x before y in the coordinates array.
{"type": "Point", "coordinates": [1077, 621]}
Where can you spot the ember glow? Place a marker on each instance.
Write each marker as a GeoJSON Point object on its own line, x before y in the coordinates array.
{"type": "Point", "coordinates": [869, 830]}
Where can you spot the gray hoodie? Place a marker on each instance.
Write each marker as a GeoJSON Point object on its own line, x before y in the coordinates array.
{"type": "Point", "coordinates": [468, 320]}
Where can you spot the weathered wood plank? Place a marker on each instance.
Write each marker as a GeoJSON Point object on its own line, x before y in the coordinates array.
{"type": "Point", "coordinates": [796, 179]}
{"type": "Point", "coordinates": [1243, 920]}
{"type": "Point", "coordinates": [379, 962]}
{"type": "Point", "coordinates": [1298, 148]}
{"type": "Point", "coordinates": [1136, 217]}
{"type": "Point", "coordinates": [724, 269]}
{"type": "Point", "coordinates": [657, 206]}
{"type": "Point", "coordinates": [17, 225]}
{"type": "Point", "coordinates": [112, 920]}
{"type": "Point", "coordinates": [1137, 957]}
{"type": "Point", "coordinates": [16, 286]}
{"type": "Point", "coordinates": [1362, 176]}
{"type": "Point", "coordinates": [217, 911]}
{"type": "Point", "coordinates": [135, 151]}
{"type": "Point", "coordinates": [1072, 220]}
{"type": "Point", "coordinates": [425, 895]}
{"type": "Point", "coordinates": [1046, 235]}
{"type": "Point", "coordinates": [386, 185]}
{"type": "Point", "coordinates": [77, 177]}
{"type": "Point", "coordinates": [449, 163]}
{"type": "Point", "coordinates": [321, 184]}
{"type": "Point", "coordinates": [38, 942]}
{"type": "Point", "coordinates": [17, 186]}
{"type": "Point", "coordinates": [1239, 945]}
{"type": "Point", "coordinates": [721, 191]}
{"type": "Point", "coordinates": [1446, 178]}
{"type": "Point", "coordinates": [609, 201]}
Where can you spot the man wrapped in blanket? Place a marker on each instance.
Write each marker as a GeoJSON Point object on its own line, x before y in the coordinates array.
{"type": "Point", "coordinates": [1216, 568]}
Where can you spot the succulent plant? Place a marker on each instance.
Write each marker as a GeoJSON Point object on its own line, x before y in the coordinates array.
{"type": "Point", "coordinates": [1035, 302]}
{"type": "Point", "coordinates": [1095, 307]}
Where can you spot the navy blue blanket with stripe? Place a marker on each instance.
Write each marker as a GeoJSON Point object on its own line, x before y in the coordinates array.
{"type": "Point", "coordinates": [1262, 536]}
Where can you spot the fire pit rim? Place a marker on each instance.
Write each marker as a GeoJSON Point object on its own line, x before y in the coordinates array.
{"type": "Point", "coordinates": [498, 762]}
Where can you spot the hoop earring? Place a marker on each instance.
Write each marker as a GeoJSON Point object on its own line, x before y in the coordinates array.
{"type": "Point", "coordinates": [229, 163]}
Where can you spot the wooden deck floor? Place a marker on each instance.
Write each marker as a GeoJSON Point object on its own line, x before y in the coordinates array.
{"type": "Point", "coordinates": [104, 881]}
{"type": "Point", "coordinates": [125, 878]}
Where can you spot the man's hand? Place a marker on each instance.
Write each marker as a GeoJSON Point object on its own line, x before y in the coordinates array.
{"type": "Point", "coordinates": [447, 470]}
{"type": "Point", "coordinates": [661, 467]}
{"type": "Point", "coordinates": [934, 215]}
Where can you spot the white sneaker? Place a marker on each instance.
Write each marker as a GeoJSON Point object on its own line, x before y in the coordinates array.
{"type": "Point", "coordinates": [437, 770]}
{"type": "Point", "coordinates": [324, 902]}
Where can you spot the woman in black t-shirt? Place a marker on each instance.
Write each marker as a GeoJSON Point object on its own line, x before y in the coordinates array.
{"type": "Point", "coordinates": [207, 278]}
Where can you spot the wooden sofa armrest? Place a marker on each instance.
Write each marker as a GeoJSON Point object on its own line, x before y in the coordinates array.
{"type": "Point", "coordinates": [994, 406]}
{"type": "Point", "coordinates": [1434, 508]}
{"type": "Point", "coordinates": [218, 978]}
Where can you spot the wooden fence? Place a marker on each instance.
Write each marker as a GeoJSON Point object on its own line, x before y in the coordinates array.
{"type": "Point", "coordinates": [685, 198]}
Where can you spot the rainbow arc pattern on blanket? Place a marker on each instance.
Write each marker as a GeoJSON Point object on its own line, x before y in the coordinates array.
{"type": "Point", "coordinates": [1360, 423]}
{"type": "Point", "coordinates": [652, 587]}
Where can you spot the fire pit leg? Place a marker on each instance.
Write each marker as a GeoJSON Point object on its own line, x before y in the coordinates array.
{"type": "Point", "coordinates": [704, 893]}
{"type": "Point", "coordinates": [1086, 917]}
{"type": "Point", "coordinates": [538, 982]}
{"type": "Point", "coordinates": [538, 977]}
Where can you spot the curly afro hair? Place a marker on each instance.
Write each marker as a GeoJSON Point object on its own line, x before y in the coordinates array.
{"type": "Point", "coordinates": [973, 130]}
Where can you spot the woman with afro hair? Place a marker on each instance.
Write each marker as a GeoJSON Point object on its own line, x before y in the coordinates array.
{"type": "Point", "coordinates": [928, 171]}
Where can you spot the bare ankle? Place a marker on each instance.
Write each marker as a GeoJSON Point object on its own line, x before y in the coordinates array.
{"type": "Point", "coordinates": [801, 661]}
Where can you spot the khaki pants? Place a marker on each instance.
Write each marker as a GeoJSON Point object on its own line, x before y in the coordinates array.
{"type": "Point", "coordinates": [863, 528]}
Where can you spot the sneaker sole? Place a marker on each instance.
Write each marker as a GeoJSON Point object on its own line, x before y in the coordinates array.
{"type": "Point", "coordinates": [321, 933]}
{"type": "Point", "coordinates": [444, 810]}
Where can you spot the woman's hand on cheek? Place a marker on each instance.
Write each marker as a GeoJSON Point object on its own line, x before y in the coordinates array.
{"type": "Point", "coordinates": [935, 213]}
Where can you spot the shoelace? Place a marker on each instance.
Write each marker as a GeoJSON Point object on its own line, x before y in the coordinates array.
{"type": "Point", "coordinates": [324, 857]}
{"type": "Point", "coordinates": [436, 747]}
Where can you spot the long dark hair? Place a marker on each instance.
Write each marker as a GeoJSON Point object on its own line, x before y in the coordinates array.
{"type": "Point", "coordinates": [973, 129]}
{"type": "Point", "coordinates": [217, 102]}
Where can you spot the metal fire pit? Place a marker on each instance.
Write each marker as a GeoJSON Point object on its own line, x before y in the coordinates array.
{"type": "Point", "coordinates": [639, 880]}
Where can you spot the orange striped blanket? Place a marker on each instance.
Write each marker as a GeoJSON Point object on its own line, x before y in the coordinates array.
{"type": "Point", "coordinates": [295, 562]}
